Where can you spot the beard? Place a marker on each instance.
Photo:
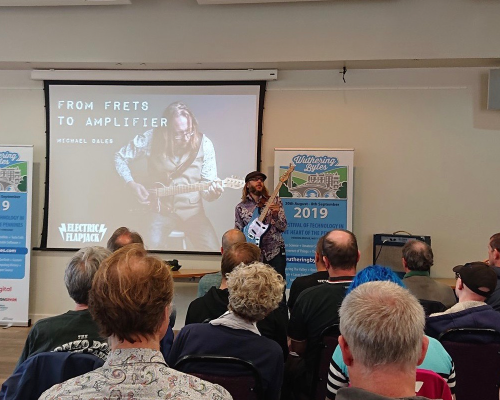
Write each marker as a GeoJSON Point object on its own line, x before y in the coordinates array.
{"type": "Point", "coordinates": [255, 191]}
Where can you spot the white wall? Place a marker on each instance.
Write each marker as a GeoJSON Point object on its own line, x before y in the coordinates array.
{"type": "Point", "coordinates": [181, 31]}
{"type": "Point", "coordinates": [426, 149]}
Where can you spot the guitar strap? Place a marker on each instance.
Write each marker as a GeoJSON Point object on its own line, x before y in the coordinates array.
{"type": "Point", "coordinates": [185, 165]}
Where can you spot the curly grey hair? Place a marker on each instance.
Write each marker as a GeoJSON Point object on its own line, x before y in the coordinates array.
{"type": "Point", "coordinates": [254, 290]}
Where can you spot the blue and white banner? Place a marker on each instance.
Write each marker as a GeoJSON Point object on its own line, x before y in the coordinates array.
{"type": "Point", "coordinates": [317, 198]}
{"type": "Point", "coordinates": [16, 170]}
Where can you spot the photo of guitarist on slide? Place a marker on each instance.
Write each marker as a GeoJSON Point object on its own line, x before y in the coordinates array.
{"type": "Point", "coordinates": [182, 172]}
{"type": "Point", "coordinates": [262, 219]}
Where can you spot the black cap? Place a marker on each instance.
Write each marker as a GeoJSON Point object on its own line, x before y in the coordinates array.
{"type": "Point", "coordinates": [477, 274]}
{"type": "Point", "coordinates": [255, 174]}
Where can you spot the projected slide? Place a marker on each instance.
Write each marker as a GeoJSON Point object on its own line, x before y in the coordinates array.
{"type": "Point", "coordinates": [165, 161]}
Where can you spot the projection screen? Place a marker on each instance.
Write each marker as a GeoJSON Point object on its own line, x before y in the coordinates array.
{"type": "Point", "coordinates": [164, 159]}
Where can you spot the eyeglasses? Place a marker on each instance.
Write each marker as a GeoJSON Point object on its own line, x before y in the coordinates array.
{"type": "Point", "coordinates": [183, 134]}
{"type": "Point", "coordinates": [457, 275]}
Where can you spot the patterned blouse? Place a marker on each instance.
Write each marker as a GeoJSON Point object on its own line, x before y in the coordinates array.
{"type": "Point", "coordinates": [135, 374]}
{"type": "Point", "coordinates": [272, 241]}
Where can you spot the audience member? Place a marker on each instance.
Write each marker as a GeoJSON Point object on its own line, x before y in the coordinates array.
{"type": "Point", "coordinates": [232, 236]}
{"type": "Point", "coordinates": [304, 282]}
{"type": "Point", "coordinates": [121, 237]}
{"type": "Point", "coordinates": [436, 359]}
{"type": "Point", "coordinates": [75, 330]}
{"type": "Point", "coordinates": [475, 283]}
{"type": "Point", "coordinates": [316, 308]}
{"type": "Point", "coordinates": [214, 303]}
{"type": "Point", "coordinates": [417, 262]}
{"type": "Point", "coordinates": [130, 300]}
{"type": "Point", "coordinates": [382, 341]}
{"type": "Point", "coordinates": [254, 291]}
{"type": "Point", "coordinates": [494, 262]}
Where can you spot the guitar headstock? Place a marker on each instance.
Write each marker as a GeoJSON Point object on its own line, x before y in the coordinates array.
{"type": "Point", "coordinates": [233, 183]}
{"type": "Point", "coordinates": [285, 176]}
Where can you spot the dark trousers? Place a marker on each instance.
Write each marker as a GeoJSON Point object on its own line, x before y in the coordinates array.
{"type": "Point", "coordinates": [198, 230]}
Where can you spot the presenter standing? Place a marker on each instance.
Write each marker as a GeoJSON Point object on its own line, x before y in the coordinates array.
{"type": "Point", "coordinates": [179, 157]}
{"type": "Point", "coordinates": [254, 199]}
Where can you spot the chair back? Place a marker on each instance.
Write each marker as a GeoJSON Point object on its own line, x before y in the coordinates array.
{"type": "Point", "coordinates": [432, 306]}
{"type": "Point", "coordinates": [477, 361]}
{"type": "Point", "coordinates": [44, 370]}
{"type": "Point", "coordinates": [328, 343]}
{"type": "Point", "coordinates": [239, 377]}
{"type": "Point", "coordinates": [431, 385]}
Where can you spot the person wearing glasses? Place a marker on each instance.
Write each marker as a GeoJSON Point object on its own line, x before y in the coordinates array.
{"type": "Point", "coordinates": [254, 198]}
{"type": "Point", "coordinates": [476, 281]}
{"type": "Point", "coordinates": [178, 155]}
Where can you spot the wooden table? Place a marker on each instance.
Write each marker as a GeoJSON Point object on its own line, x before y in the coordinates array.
{"type": "Point", "coordinates": [191, 273]}
{"type": "Point", "coordinates": [451, 282]}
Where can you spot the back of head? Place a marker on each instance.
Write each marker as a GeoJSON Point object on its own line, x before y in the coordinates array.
{"type": "Point", "coordinates": [245, 253]}
{"type": "Point", "coordinates": [374, 273]}
{"type": "Point", "coordinates": [81, 270]}
{"type": "Point", "coordinates": [495, 242]}
{"type": "Point", "coordinates": [122, 237]}
{"type": "Point", "coordinates": [231, 237]}
{"type": "Point", "coordinates": [340, 247]}
{"type": "Point", "coordinates": [130, 293]}
{"type": "Point", "coordinates": [254, 291]}
{"type": "Point", "coordinates": [478, 279]}
{"type": "Point", "coordinates": [418, 255]}
{"type": "Point", "coordinates": [383, 324]}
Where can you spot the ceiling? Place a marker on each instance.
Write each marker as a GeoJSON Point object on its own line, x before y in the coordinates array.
{"type": "Point", "coordinates": [44, 3]}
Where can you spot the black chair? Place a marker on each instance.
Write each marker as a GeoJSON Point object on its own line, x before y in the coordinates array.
{"type": "Point", "coordinates": [44, 370]}
{"type": "Point", "coordinates": [329, 341]}
{"type": "Point", "coordinates": [432, 306]}
{"type": "Point", "coordinates": [476, 354]}
{"type": "Point", "coordinates": [239, 377]}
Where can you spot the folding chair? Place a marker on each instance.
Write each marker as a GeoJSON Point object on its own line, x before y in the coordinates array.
{"type": "Point", "coordinates": [476, 354]}
{"type": "Point", "coordinates": [329, 341]}
{"type": "Point", "coordinates": [239, 377]}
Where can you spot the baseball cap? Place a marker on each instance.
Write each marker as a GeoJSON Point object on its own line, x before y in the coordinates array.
{"type": "Point", "coordinates": [255, 174]}
{"type": "Point", "coordinates": [477, 274]}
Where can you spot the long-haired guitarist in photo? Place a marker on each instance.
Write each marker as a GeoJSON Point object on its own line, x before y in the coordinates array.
{"type": "Point", "coordinates": [181, 164]}
{"type": "Point", "coordinates": [265, 232]}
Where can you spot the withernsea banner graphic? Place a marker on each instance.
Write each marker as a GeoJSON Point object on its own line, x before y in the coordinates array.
{"type": "Point", "coordinates": [317, 198]}
{"type": "Point", "coordinates": [16, 166]}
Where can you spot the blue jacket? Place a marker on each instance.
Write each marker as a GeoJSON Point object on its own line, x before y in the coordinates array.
{"type": "Point", "coordinates": [475, 317]}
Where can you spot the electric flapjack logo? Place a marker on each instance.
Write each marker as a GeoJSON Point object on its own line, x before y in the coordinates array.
{"type": "Point", "coordinates": [83, 233]}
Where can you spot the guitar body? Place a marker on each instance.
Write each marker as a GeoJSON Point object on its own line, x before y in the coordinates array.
{"type": "Point", "coordinates": [161, 196]}
{"type": "Point", "coordinates": [255, 229]}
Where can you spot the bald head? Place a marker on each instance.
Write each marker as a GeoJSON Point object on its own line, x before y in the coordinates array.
{"type": "Point", "coordinates": [340, 249]}
{"type": "Point", "coordinates": [232, 236]}
{"type": "Point", "coordinates": [417, 256]}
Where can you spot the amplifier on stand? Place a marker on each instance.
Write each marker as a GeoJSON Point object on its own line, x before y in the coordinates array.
{"type": "Point", "coordinates": [387, 249]}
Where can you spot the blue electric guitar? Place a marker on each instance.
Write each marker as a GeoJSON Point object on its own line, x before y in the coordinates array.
{"type": "Point", "coordinates": [254, 230]}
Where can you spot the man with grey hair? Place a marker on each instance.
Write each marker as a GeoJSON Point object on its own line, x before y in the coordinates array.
{"type": "Point", "coordinates": [232, 236]}
{"type": "Point", "coordinates": [417, 262]}
{"type": "Point", "coordinates": [382, 342]}
{"type": "Point", "coordinates": [74, 330]}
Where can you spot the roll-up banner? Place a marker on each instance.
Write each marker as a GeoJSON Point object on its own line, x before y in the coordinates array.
{"type": "Point", "coordinates": [317, 198]}
{"type": "Point", "coordinates": [16, 172]}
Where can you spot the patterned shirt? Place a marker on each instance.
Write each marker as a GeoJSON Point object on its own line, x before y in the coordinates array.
{"type": "Point", "coordinates": [272, 241]}
{"type": "Point", "coordinates": [135, 374]}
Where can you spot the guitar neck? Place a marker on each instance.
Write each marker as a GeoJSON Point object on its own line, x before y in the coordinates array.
{"type": "Point", "coordinates": [269, 202]}
{"type": "Point", "coordinates": [173, 190]}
